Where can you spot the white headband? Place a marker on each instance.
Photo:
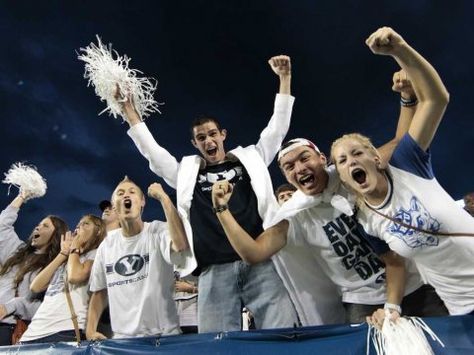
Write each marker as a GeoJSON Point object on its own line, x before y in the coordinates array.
{"type": "Point", "coordinates": [295, 143]}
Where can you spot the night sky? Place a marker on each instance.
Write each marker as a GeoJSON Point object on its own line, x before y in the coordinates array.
{"type": "Point", "coordinates": [210, 57]}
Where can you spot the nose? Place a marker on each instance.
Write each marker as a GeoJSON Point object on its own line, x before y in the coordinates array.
{"type": "Point", "coordinates": [300, 167]}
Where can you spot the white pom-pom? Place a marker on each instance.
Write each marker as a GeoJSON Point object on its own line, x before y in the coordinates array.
{"type": "Point", "coordinates": [27, 179]}
{"type": "Point", "coordinates": [403, 336]}
{"type": "Point", "coordinates": [106, 73]}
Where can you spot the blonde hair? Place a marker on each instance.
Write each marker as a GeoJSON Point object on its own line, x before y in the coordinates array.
{"type": "Point", "coordinates": [127, 179]}
{"type": "Point", "coordinates": [366, 143]}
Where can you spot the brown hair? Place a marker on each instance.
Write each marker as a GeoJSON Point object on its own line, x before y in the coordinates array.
{"type": "Point", "coordinates": [100, 233]}
{"type": "Point", "coordinates": [26, 258]}
{"type": "Point", "coordinates": [202, 119]}
{"type": "Point", "coordinates": [284, 187]}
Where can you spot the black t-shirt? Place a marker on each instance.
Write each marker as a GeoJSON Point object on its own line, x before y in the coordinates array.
{"type": "Point", "coordinates": [211, 245]}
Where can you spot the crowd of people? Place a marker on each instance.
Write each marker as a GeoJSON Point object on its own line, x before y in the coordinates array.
{"type": "Point", "coordinates": [349, 238]}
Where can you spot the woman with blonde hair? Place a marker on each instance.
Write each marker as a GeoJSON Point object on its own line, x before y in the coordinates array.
{"type": "Point", "coordinates": [66, 281]}
{"type": "Point", "coordinates": [403, 204]}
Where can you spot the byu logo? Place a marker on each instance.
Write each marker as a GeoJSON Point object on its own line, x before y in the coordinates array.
{"type": "Point", "coordinates": [417, 216]}
{"type": "Point", "coordinates": [227, 175]}
{"type": "Point", "coordinates": [129, 265]}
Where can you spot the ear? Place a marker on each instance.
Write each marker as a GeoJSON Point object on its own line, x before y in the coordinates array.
{"type": "Point", "coordinates": [193, 142]}
{"type": "Point", "coordinates": [224, 134]}
{"type": "Point", "coordinates": [323, 158]}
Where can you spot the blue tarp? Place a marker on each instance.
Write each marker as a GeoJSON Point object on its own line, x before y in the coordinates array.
{"type": "Point", "coordinates": [456, 332]}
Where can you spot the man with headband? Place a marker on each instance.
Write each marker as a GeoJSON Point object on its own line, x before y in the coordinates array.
{"type": "Point", "coordinates": [320, 217]}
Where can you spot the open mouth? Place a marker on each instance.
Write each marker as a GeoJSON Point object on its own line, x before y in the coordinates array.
{"type": "Point", "coordinates": [306, 180]}
{"type": "Point", "coordinates": [127, 203]}
{"type": "Point", "coordinates": [211, 152]}
{"type": "Point", "coordinates": [36, 236]}
{"type": "Point", "coordinates": [359, 176]}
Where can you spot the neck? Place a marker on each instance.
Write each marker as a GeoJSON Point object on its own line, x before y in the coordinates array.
{"type": "Point", "coordinates": [112, 225]}
{"type": "Point", "coordinates": [131, 227]}
{"type": "Point", "coordinates": [378, 195]}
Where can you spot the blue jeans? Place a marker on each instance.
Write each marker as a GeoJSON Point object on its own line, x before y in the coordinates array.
{"type": "Point", "coordinates": [225, 288]}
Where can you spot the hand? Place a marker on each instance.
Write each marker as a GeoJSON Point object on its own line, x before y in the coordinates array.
{"type": "Point", "coordinates": [128, 106]}
{"type": "Point", "coordinates": [78, 241]}
{"type": "Point", "coordinates": [95, 336]}
{"type": "Point", "coordinates": [402, 84]}
{"type": "Point", "coordinates": [379, 315]}
{"type": "Point", "coordinates": [24, 195]}
{"type": "Point", "coordinates": [385, 41]}
{"type": "Point", "coordinates": [183, 286]}
{"type": "Point", "coordinates": [156, 191]}
{"type": "Point", "coordinates": [281, 65]}
{"type": "Point", "coordinates": [3, 311]}
{"type": "Point", "coordinates": [221, 192]}
{"type": "Point", "coordinates": [66, 241]}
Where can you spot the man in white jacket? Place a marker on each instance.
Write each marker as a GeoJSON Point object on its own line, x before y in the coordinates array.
{"type": "Point", "coordinates": [226, 282]}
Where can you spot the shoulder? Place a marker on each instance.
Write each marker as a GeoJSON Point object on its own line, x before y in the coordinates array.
{"type": "Point", "coordinates": [410, 157]}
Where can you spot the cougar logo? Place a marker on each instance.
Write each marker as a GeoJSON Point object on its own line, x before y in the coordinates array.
{"type": "Point", "coordinates": [223, 175]}
{"type": "Point", "coordinates": [418, 216]}
{"type": "Point", "coordinates": [129, 265]}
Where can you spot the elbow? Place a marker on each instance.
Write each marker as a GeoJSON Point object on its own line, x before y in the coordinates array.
{"type": "Point", "coordinates": [76, 279]}
{"type": "Point", "coordinates": [252, 259]}
{"type": "Point", "coordinates": [36, 288]}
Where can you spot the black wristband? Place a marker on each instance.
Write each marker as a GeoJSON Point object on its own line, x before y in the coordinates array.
{"type": "Point", "coordinates": [408, 102]}
{"type": "Point", "coordinates": [220, 208]}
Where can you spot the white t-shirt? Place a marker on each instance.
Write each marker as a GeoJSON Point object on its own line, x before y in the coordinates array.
{"type": "Point", "coordinates": [447, 263]}
{"type": "Point", "coordinates": [343, 253]}
{"type": "Point", "coordinates": [53, 315]}
{"type": "Point", "coordinates": [138, 276]}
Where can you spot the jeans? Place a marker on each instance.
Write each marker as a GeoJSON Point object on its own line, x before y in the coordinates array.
{"type": "Point", "coordinates": [424, 302]}
{"type": "Point", "coordinates": [65, 335]}
{"type": "Point", "coordinates": [224, 289]}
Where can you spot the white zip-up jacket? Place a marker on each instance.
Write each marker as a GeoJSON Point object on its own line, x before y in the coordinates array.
{"type": "Point", "coordinates": [256, 159]}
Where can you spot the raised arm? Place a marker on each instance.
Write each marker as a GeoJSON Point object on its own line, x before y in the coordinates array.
{"type": "Point", "coordinates": [179, 241]}
{"type": "Point", "coordinates": [9, 240]}
{"type": "Point", "coordinates": [42, 280]}
{"type": "Point", "coordinates": [251, 251]}
{"type": "Point", "coordinates": [78, 272]}
{"type": "Point", "coordinates": [161, 162]}
{"type": "Point", "coordinates": [429, 89]}
{"type": "Point", "coordinates": [272, 136]}
{"type": "Point", "coordinates": [401, 84]}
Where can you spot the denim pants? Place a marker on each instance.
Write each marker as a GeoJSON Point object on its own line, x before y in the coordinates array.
{"type": "Point", "coordinates": [225, 288]}
{"type": "Point", "coordinates": [424, 302]}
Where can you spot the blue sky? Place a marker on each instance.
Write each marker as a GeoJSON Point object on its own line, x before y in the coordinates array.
{"type": "Point", "coordinates": [211, 57]}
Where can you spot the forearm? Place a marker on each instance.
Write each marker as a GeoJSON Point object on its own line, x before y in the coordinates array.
{"type": "Point", "coordinates": [130, 114]}
{"type": "Point", "coordinates": [97, 304]}
{"type": "Point", "coordinates": [41, 281]}
{"type": "Point", "coordinates": [175, 225]}
{"type": "Point", "coordinates": [17, 202]}
{"type": "Point", "coordinates": [426, 82]}
{"type": "Point", "coordinates": [161, 162]}
{"type": "Point", "coordinates": [78, 272]}
{"type": "Point", "coordinates": [285, 84]}
{"type": "Point", "coordinates": [395, 277]}
{"type": "Point", "coordinates": [250, 250]}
